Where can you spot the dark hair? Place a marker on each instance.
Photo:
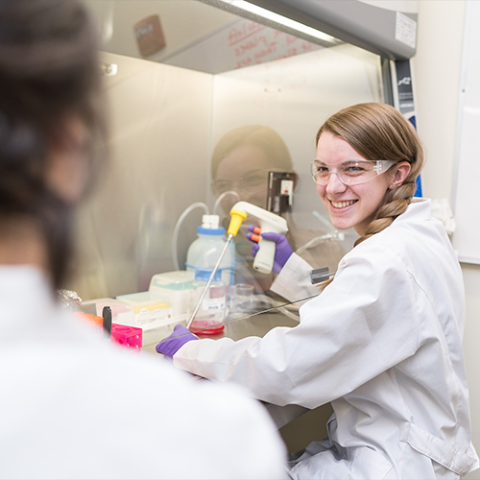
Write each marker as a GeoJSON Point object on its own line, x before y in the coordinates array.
{"type": "Point", "coordinates": [258, 135]}
{"type": "Point", "coordinates": [48, 71]}
{"type": "Point", "coordinates": [380, 132]}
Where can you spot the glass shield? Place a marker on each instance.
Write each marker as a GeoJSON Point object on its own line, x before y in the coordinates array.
{"type": "Point", "coordinates": [207, 108]}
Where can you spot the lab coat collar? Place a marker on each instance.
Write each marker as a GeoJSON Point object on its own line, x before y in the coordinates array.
{"type": "Point", "coordinates": [419, 208]}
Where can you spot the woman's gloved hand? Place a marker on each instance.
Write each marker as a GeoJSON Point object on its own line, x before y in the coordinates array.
{"type": "Point", "coordinates": [169, 346]}
{"type": "Point", "coordinates": [283, 251]}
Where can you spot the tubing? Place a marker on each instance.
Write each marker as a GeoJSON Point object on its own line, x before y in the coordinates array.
{"type": "Point", "coordinates": [335, 236]}
{"type": "Point", "coordinates": [221, 197]}
{"type": "Point", "coordinates": [177, 229]}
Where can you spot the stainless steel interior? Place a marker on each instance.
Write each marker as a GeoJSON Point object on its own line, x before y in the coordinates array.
{"type": "Point", "coordinates": [217, 72]}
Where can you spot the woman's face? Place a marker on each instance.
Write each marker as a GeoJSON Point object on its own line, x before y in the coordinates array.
{"type": "Point", "coordinates": [351, 206]}
{"type": "Point", "coordinates": [244, 171]}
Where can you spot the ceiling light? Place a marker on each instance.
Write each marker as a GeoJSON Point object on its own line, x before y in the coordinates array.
{"type": "Point", "coordinates": [280, 19]}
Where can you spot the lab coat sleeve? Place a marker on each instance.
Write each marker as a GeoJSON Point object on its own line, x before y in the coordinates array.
{"type": "Point", "coordinates": [293, 282]}
{"type": "Point", "coordinates": [366, 321]}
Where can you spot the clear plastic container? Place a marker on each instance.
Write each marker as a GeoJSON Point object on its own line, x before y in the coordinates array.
{"type": "Point", "coordinates": [147, 307]}
{"type": "Point", "coordinates": [174, 287]}
{"type": "Point", "coordinates": [211, 314]}
{"type": "Point", "coordinates": [205, 251]}
{"type": "Point", "coordinates": [117, 307]}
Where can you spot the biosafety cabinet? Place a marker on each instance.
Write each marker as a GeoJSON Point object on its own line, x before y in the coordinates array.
{"type": "Point", "coordinates": [186, 81]}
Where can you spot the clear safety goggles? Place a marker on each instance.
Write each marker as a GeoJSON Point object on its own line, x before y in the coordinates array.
{"type": "Point", "coordinates": [252, 181]}
{"type": "Point", "coordinates": [349, 172]}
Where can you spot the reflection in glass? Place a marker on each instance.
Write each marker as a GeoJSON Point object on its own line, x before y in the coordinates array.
{"type": "Point", "coordinates": [250, 182]}
{"type": "Point", "coordinates": [195, 35]}
{"type": "Point", "coordinates": [248, 99]}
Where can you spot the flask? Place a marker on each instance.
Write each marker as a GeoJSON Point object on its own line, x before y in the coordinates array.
{"type": "Point", "coordinates": [205, 251]}
{"type": "Point", "coordinates": [211, 313]}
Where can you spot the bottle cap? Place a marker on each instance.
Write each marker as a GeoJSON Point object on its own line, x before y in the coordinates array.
{"type": "Point", "coordinates": [210, 221]}
{"type": "Point", "coordinates": [210, 226]}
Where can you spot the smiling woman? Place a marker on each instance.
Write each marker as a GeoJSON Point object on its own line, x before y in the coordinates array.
{"type": "Point", "coordinates": [371, 132]}
{"type": "Point", "coordinates": [383, 340]}
{"type": "Point", "coordinates": [352, 198]}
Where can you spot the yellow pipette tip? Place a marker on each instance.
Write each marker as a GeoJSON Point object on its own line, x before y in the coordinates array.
{"type": "Point", "coordinates": [237, 218]}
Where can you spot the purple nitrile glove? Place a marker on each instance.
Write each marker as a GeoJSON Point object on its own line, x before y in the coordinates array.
{"type": "Point", "coordinates": [283, 251]}
{"type": "Point", "coordinates": [169, 346]}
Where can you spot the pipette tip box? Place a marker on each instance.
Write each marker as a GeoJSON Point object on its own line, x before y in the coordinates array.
{"type": "Point", "coordinates": [174, 287]}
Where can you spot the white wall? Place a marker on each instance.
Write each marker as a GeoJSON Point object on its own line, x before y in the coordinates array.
{"type": "Point", "coordinates": [436, 69]}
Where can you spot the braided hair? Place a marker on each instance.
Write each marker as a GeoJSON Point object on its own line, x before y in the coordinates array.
{"type": "Point", "coordinates": [380, 132]}
{"type": "Point", "coordinates": [48, 72]}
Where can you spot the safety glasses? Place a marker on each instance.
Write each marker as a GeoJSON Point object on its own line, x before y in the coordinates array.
{"type": "Point", "coordinates": [252, 181]}
{"type": "Point", "coordinates": [349, 172]}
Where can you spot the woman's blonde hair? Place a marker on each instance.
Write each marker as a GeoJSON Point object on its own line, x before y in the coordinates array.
{"type": "Point", "coordinates": [380, 132]}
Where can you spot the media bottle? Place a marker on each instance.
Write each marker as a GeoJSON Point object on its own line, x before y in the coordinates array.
{"type": "Point", "coordinates": [205, 251]}
{"type": "Point", "coordinates": [212, 311]}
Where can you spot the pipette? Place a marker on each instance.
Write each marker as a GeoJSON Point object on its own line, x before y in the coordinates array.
{"type": "Point", "coordinates": [269, 222]}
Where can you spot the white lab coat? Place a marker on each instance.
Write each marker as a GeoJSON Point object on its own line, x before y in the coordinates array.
{"type": "Point", "coordinates": [382, 343]}
{"type": "Point", "coordinates": [75, 405]}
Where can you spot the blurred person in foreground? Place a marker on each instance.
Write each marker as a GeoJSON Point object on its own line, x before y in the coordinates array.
{"type": "Point", "coordinates": [74, 405]}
